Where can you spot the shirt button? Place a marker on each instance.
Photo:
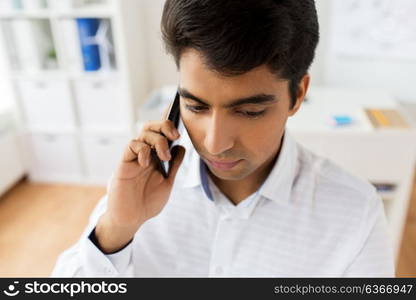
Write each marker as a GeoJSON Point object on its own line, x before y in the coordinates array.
{"type": "Point", "coordinates": [226, 219]}
{"type": "Point", "coordinates": [219, 270]}
{"type": "Point", "coordinates": [108, 271]}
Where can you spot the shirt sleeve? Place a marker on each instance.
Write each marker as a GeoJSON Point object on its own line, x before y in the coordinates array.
{"type": "Point", "coordinates": [84, 259]}
{"type": "Point", "coordinates": [374, 255]}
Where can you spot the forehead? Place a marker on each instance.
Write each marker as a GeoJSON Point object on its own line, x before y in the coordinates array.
{"type": "Point", "coordinates": [200, 80]}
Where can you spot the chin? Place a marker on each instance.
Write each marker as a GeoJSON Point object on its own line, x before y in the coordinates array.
{"type": "Point", "coordinates": [229, 175]}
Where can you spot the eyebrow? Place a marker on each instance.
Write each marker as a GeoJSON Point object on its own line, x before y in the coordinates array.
{"type": "Point", "coordinates": [256, 99]}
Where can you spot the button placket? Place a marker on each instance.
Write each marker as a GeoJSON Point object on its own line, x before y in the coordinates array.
{"type": "Point", "coordinates": [109, 271]}
{"type": "Point", "coordinates": [219, 270]}
{"type": "Point", "coordinates": [222, 247]}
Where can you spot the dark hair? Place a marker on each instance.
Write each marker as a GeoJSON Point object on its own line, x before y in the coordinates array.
{"type": "Point", "coordinates": [235, 36]}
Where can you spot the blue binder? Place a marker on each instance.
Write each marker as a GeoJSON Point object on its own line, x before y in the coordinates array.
{"type": "Point", "coordinates": [87, 29]}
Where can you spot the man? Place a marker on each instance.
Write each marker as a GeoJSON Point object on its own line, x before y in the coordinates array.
{"type": "Point", "coordinates": [245, 199]}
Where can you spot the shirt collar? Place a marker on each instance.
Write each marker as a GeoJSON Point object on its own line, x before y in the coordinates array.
{"type": "Point", "coordinates": [195, 173]}
{"type": "Point", "coordinates": [276, 187]}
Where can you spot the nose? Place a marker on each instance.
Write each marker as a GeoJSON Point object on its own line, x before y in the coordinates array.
{"type": "Point", "coordinates": [219, 135]}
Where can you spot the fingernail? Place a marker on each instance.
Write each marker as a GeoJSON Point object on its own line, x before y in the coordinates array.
{"type": "Point", "coordinates": [174, 133]}
{"type": "Point", "coordinates": [168, 154]}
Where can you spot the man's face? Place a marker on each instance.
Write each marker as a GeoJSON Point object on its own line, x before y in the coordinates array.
{"type": "Point", "coordinates": [233, 140]}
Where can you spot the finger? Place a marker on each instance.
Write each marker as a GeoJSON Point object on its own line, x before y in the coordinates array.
{"type": "Point", "coordinates": [133, 149]}
{"type": "Point", "coordinates": [178, 153]}
{"type": "Point", "coordinates": [158, 142]}
{"type": "Point", "coordinates": [166, 127]}
{"type": "Point", "coordinates": [166, 111]}
{"type": "Point", "coordinates": [144, 156]}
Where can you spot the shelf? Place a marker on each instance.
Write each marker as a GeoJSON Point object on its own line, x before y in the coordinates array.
{"type": "Point", "coordinates": [64, 111]}
{"type": "Point", "coordinates": [57, 9]}
{"type": "Point", "coordinates": [98, 75]}
{"type": "Point", "coordinates": [33, 14]}
{"type": "Point", "coordinates": [39, 75]}
{"type": "Point", "coordinates": [50, 130]}
{"type": "Point", "coordinates": [77, 131]}
{"type": "Point", "coordinates": [83, 13]}
{"type": "Point", "coordinates": [45, 14]}
{"type": "Point", "coordinates": [64, 75]}
{"type": "Point", "coordinates": [387, 196]}
{"type": "Point", "coordinates": [386, 190]}
{"type": "Point", "coordinates": [30, 44]}
{"type": "Point", "coordinates": [104, 132]}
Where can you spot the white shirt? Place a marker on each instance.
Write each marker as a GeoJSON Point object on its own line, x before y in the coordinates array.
{"type": "Point", "coordinates": [310, 218]}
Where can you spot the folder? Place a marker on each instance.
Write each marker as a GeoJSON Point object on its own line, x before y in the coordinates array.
{"type": "Point", "coordinates": [386, 118]}
{"type": "Point", "coordinates": [87, 28]}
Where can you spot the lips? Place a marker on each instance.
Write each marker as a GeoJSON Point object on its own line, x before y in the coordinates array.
{"type": "Point", "coordinates": [223, 165]}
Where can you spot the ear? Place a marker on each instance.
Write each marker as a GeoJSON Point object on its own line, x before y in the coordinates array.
{"type": "Point", "coordinates": [302, 89]}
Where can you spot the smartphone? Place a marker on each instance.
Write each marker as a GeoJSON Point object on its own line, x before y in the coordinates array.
{"type": "Point", "coordinates": [174, 116]}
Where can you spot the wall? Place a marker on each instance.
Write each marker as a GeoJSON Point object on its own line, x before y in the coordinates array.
{"type": "Point", "coordinates": [394, 77]}
{"type": "Point", "coordinates": [163, 70]}
{"type": "Point", "coordinates": [162, 67]}
{"type": "Point", "coordinates": [317, 70]}
{"type": "Point", "coordinates": [380, 71]}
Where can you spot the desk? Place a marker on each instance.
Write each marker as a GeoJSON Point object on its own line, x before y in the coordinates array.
{"type": "Point", "coordinates": [378, 155]}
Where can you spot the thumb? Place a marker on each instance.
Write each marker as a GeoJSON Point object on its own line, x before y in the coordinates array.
{"type": "Point", "coordinates": [178, 153]}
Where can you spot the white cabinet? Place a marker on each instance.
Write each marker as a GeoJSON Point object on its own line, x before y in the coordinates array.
{"type": "Point", "coordinates": [11, 163]}
{"type": "Point", "coordinates": [55, 157]}
{"type": "Point", "coordinates": [101, 155]}
{"type": "Point", "coordinates": [78, 104]}
{"type": "Point", "coordinates": [101, 105]}
{"type": "Point", "coordinates": [46, 104]}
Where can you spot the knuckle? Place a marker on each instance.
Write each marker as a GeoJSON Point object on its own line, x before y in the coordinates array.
{"type": "Point", "coordinates": [132, 144]}
{"type": "Point", "coordinates": [159, 138]}
{"type": "Point", "coordinates": [141, 138]}
{"type": "Point", "coordinates": [147, 125]}
{"type": "Point", "coordinates": [145, 136]}
{"type": "Point", "coordinates": [161, 142]}
{"type": "Point", "coordinates": [139, 147]}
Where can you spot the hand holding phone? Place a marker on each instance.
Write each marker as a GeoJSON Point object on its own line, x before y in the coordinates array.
{"type": "Point", "coordinates": [137, 191]}
{"type": "Point", "coordinates": [174, 116]}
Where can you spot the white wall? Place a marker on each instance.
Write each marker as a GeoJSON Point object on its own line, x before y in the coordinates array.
{"type": "Point", "coordinates": [395, 76]}
{"type": "Point", "coordinates": [163, 70]}
{"type": "Point", "coordinates": [317, 70]}
{"type": "Point", "coordinates": [398, 78]}
{"type": "Point", "coordinates": [162, 67]}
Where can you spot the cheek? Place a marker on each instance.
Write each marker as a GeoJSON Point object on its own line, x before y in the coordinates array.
{"type": "Point", "coordinates": [194, 128]}
{"type": "Point", "coordinates": [262, 140]}
{"type": "Point", "coordinates": [261, 144]}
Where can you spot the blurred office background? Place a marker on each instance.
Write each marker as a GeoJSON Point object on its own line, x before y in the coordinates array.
{"type": "Point", "coordinates": [79, 77]}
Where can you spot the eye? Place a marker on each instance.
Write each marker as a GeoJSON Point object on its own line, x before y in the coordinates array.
{"type": "Point", "coordinates": [248, 114]}
{"type": "Point", "coordinates": [196, 108]}
{"type": "Point", "coordinates": [252, 114]}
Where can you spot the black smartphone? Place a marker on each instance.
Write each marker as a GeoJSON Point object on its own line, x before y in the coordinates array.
{"type": "Point", "coordinates": [174, 116]}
